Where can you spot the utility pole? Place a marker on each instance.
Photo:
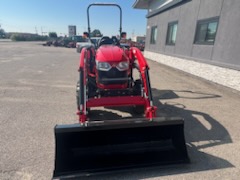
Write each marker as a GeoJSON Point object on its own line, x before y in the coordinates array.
{"type": "Point", "coordinates": [36, 30]}
{"type": "Point", "coordinates": [133, 34]}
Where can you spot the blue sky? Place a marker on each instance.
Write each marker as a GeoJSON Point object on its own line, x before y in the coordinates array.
{"type": "Point", "coordinates": [56, 15]}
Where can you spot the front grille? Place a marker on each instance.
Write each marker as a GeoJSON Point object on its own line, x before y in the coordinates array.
{"type": "Point", "coordinates": [113, 76]}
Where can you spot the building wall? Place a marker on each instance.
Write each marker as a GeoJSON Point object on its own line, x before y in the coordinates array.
{"type": "Point", "coordinates": [227, 45]}
{"type": "Point", "coordinates": [224, 52]}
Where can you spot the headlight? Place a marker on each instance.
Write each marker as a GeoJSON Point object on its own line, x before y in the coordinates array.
{"type": "Point", "coordinates": [122, 66]}
{"type": "Point", "coordinates": [103, 66]}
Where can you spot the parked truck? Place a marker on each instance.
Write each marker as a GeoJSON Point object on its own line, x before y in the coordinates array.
{"type": "Point", "coordinates": [87, 42]}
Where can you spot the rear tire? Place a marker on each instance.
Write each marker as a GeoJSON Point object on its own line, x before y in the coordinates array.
{"type": "Point", "coordinates": [77, 97]}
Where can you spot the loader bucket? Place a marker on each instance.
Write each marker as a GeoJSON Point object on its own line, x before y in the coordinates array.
{"type": "Point", "coordinates": [115, 145]}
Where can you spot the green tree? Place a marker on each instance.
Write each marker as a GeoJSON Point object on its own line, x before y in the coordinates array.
{"type": "Point", "coordinates": [96, 33]}
{"type": "Point", "coordinates": [18, 37]}
{"type": "Point", "coordinates": [27, 37]}
{"type": "Point", "coordinates": [2, 33]}
{"type": "Point", "coordinates": [52, 34]}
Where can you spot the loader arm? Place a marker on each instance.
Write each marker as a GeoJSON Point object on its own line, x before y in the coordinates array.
{"type": "Point", "coordinates": [135, 53]}
{"type": "Point", "coordinates": [82, 111]}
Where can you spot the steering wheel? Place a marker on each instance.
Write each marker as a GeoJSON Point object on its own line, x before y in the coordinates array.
{"type": "Point", "coordinates": [103, 40]}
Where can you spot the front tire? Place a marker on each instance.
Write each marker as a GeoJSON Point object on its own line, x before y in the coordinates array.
{"type": "Point", "coordinates": [137, 89]}
{"type": "Point", "coordinates": [139, 109]}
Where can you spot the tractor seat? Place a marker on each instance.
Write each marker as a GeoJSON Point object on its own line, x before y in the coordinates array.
{"type": "Point", "coordinates": [105, 40]}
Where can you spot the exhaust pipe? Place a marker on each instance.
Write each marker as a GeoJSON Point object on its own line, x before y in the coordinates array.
{"type": "Point", "coordinates": [105, 146]}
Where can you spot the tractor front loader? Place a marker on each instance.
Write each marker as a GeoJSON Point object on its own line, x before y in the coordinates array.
{"type": "Point", "coordinates": [98, 146]}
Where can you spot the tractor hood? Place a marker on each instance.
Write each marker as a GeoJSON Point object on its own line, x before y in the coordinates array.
{"type": "Point", "coordinates": [110, 53]}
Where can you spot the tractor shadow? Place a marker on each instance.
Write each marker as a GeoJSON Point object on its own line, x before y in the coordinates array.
{"type": "Point", "coordinates": [112, 113]}
{"type": "Point", "coordinates": [198, 136]}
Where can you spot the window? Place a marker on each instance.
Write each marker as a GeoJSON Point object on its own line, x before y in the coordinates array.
{"type": "Point", "coordinates": [153, 35]}
{"type": "Point", "coordinates": [206, 31]}
{"type": "Point", "coordinates": [172, 33]}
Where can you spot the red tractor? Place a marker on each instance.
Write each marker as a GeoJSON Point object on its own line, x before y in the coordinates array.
{"type": "Point", "coordinates": [94, 146]}
{"type": "Point", "coordinates": [106, 79]}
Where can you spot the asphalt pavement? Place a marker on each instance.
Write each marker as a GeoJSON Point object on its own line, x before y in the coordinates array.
{"type": "Point", "coordinates": [37, 91]}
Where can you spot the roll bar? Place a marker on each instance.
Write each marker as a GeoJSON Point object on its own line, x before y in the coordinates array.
{"type": "Point", "coordinates": [104, 4]}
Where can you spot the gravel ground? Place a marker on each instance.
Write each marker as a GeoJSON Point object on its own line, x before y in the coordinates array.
{"type": "Point", "coordinates": [37, 91]}
{"type": "Point", "coordinates": [224, 76]}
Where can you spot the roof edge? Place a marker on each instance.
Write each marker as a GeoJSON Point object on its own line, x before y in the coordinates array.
{"type": "Point", "coordinates": [140, 4]}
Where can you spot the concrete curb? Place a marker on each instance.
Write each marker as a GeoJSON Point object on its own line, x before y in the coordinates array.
{"type": "Point", "coordinates": [224, 76]}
